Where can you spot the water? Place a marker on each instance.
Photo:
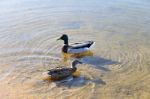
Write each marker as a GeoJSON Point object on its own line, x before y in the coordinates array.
{"type": "Point", "coordinates": [118, 68]}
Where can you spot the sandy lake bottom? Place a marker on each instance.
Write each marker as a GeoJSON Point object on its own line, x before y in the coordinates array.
{"type": "Point", "coordinates": [117, 68]}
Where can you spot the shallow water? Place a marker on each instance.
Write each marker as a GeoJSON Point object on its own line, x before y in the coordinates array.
{"type": "Point", "coordinates": [119, 66]}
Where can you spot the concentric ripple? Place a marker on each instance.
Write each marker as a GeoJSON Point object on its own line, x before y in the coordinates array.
{"type": "Point", "coordinates": [117, 67]}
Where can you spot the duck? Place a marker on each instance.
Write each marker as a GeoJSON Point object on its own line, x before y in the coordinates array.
{"type": "Point", "coordinates": [59, 73]}
{"type": "Point", "coordinates": [76, 47]}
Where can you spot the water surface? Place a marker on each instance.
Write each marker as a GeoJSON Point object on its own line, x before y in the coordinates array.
{"type": "Point", "coordinates": [120, 64]}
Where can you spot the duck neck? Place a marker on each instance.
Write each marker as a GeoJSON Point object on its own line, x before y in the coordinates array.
{"type": "Point", "coordinates": [66, 41]}
{"type": "Point", "coordinates": [74, 66]}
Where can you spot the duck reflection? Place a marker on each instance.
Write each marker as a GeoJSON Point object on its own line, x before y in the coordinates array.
{"type": "Point", "coordinates": [67, 56]}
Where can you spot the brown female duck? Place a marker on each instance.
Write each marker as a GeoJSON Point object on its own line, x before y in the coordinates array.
{"type": "Point", "coordinates": [63, 72]}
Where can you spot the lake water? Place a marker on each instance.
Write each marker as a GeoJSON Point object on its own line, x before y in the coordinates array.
{"type": "Point", "coordinates": [119, 67]}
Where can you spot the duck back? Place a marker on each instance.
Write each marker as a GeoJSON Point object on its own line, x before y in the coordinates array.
{"type": "Point", "coordinates": [60, 73]}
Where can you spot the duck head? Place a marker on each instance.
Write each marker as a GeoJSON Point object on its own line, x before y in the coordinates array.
{"type": "Point", "coordinates": [64, 37]}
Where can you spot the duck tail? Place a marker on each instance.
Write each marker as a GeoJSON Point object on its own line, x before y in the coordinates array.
{"type": "Point", "coordinates": [91, 43]}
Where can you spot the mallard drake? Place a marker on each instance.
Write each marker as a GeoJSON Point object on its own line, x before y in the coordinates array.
{"type": "Point", "coordinates": [63, 72]}
{"type": "Point", "coordinates": [76, 47]}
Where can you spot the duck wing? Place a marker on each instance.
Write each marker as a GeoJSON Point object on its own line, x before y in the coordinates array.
{"type": "Point", "coordinates": [80, 47]}
{"type": "Point", "coordinates": [60, 72]}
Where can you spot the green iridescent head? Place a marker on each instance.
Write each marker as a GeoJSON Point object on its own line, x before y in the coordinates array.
{"type": "Point", "coordinates": [64, 37]}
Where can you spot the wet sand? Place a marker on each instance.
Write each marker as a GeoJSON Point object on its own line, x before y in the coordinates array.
{"type": "Point", "coordinates": [117, 67]}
